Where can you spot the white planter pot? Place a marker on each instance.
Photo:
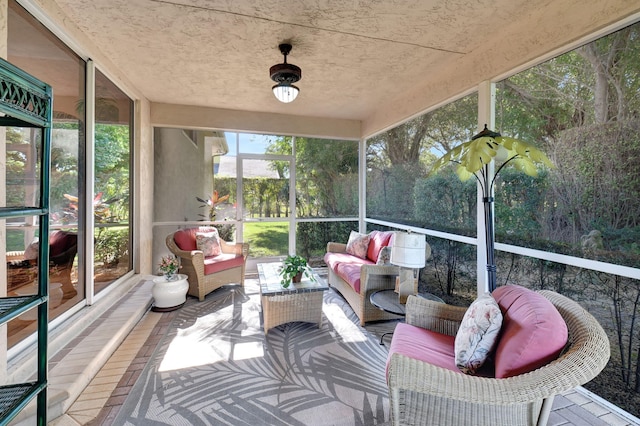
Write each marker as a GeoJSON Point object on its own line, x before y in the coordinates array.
{"type": "Point", "coordinates": [169, 295]}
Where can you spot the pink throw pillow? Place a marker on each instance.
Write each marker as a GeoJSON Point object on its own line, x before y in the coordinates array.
{"type": "Point", "coordinates": [185, 239]}
{"type": "Point", "coordinates": [358, 244]}
{"type": "Point", "coordinates": [533, 331]}
{"type": "Point", "coordinates": [209, 243]}
{"type": "Point", "coordinates": [478, 334]}
{"type": "Point", "coordinates": [378, 240]}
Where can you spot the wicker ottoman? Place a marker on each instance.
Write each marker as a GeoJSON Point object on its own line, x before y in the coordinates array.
{"type": "Point", "coordinates": [299, 302]}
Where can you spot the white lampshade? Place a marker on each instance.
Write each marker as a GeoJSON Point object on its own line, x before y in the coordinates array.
{"type": "Point", "coordinates": [408, 250]}
{"type": "Point", "coordinates": [285, 93]}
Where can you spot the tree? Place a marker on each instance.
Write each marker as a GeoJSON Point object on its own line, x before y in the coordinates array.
{"type": "Point", "coordinates": [112, 168]}
{"type": "Point", "coordinates": [609, 57]}
{"type": "Point", "coordinates": [400, 156]}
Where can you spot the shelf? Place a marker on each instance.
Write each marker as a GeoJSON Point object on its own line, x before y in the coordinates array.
{"type": "Point", "coordinates": [12, 307]}
{"type": "Point", "coordinates": [26, 101]}
{"type": "Point", "coordinates": [14, 398]}
{"type": "Point", "coordinates": [9, 212]}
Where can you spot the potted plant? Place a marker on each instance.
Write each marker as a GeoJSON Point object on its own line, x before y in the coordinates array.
{"type": "Point", "coordinates": [293, 267]}
{"type": "Point", "coordinates": [212, 202]}
{"type": "Point", "coordinates": [168, 266]}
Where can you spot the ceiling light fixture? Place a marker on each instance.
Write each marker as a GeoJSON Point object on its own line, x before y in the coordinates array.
{"type": "Point", "coordinates": [285, 75]}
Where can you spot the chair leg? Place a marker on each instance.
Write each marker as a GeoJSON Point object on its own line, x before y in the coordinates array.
{"type": "Point", "coordinates": [545, 410]}
{"type": "Point", "coordinates": [395, 406]}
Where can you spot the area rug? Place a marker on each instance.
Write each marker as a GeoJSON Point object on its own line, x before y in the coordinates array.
{"type": "Point", "coordinates": [215, 366]}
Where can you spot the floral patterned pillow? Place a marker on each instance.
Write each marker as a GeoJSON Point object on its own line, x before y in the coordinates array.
{"type": "Point", "coordinates": [478, 334]}
{"type": "Point", "coordinates": [358, 244]}
{"type": "Point", "coordinates": [208, 242]}
{"type": "Point", "coordinates": [384, 257]}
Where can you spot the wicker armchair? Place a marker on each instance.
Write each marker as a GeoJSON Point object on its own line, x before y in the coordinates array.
{"type": "Point", "coordinates": [193, 264]}
{"type": "Point", "coordinates": [423, 394]}
{"type": "Point", "coordinates": [22, 268]}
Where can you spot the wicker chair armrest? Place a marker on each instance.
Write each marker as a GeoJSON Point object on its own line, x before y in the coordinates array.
{"type": "Point", "coordinates": [380, 269]}
{"type": "Point", "coordinates": [367, 285]}
{"type": "Point", "coordinates": [336, 247]}
{"type": "Point", "coordinates": [414, 375]}
{"type": "Point", "coordinates": [234, 248]}
{"type": "Point", "coordinates": [434, 316]}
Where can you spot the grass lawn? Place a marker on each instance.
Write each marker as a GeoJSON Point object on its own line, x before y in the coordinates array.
{"type": "Point", "coordinates": [15, 240]}
{"type": "Point", "coordinates": [267, 238]}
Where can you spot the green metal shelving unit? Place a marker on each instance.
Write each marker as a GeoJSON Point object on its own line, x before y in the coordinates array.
{"type": "Point", "coordinates": [27, 102]}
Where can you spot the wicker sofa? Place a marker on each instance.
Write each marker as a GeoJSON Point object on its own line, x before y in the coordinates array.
{"type": "Point", "coordinates": [356, 278]}
{"type": "Point", "coordinates": [424, 393]}
{"type": "Point", "coordinates": [207, 273]}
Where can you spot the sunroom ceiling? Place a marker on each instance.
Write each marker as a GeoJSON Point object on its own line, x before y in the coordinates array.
{"type": "Point", "coordinates": [376, 61]}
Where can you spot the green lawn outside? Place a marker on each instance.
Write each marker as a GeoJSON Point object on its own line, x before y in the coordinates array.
{"type": "Point", "coordinates": [15, 240]}
{"type": "Point", "coordinates": [267, 238]}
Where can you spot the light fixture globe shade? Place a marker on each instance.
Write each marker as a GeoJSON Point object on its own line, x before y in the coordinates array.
{"type": "Point", "coordinates": [285, 92]}
{"type": "Point", "coordinates": [408, 250]}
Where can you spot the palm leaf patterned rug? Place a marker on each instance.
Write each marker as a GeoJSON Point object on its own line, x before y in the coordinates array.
{"type": "Point", "coordinates": [215, 366]}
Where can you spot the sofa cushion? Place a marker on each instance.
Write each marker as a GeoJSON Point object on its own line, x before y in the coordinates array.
{"type": "Point", "coordinates": [533, 332]}
{"type": "Point", "coordinates": [350, 272]}
{"type": "Point", "coordinates": [185, 239]}
{"type": "Point", "coordinates": [333, 259]}
{"type": "Point", "coordinates": [377, 240]}
{"type": "Point", "coordinates": [423, 345]}
{"type": "Point", "coordinates": [222, 262]}
{"type": "Point", "coordinates": [358, 244]}
{"type": "Point", "coordinates": [208, 243]}
{"type": "Point", "coordinates": [478, 334]}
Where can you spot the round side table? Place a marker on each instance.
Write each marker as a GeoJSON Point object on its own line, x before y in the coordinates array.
{"type": "Point", "coordinates": [389, 301]}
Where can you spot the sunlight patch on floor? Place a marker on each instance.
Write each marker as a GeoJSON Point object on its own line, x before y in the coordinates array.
{"type": "Point", "coordinates": [200, 345]}
{"type": "Point", "coordinates": [248, 350]}
{"type": "Point", "coordinates": [343, 326]}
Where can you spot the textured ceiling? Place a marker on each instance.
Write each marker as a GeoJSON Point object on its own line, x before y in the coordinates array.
{"type": "Point", "coordinates": [357, 56]}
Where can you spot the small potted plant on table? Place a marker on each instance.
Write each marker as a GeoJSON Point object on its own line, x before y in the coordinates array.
{"type": "Point", "coordinates": [293, 267]}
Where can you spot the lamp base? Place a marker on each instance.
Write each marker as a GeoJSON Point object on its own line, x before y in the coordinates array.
{"type": "Point", "coordinates": [406, 284]}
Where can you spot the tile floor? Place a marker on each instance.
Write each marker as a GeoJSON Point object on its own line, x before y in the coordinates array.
{"type": "Point", "coordinates": [99, 402]}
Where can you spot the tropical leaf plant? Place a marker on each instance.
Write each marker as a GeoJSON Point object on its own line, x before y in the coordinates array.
{"type": "Point", "coordinates": [292, 266]}
{"type": "Point", "coordinates": [211, 203]}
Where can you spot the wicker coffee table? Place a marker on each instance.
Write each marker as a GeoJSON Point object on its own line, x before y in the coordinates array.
{"type": "Point", "coordinates": [299, 302]}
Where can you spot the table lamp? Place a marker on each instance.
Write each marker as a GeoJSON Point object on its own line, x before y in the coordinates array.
{"type": "Point", "coordinates": [408, 252]}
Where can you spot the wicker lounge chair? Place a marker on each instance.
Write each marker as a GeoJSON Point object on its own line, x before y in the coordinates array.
{"type": "Point", "coordinates": [208, 273]}
{"type": "Point", "coordinates": [423, 394]}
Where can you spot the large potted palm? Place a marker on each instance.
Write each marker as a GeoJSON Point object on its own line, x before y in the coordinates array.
{"type": "Point", "coordinates": [474, 159]}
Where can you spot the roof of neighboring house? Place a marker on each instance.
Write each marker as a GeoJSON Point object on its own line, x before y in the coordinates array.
{"type": "Point", "coordinates": [251, 168]}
